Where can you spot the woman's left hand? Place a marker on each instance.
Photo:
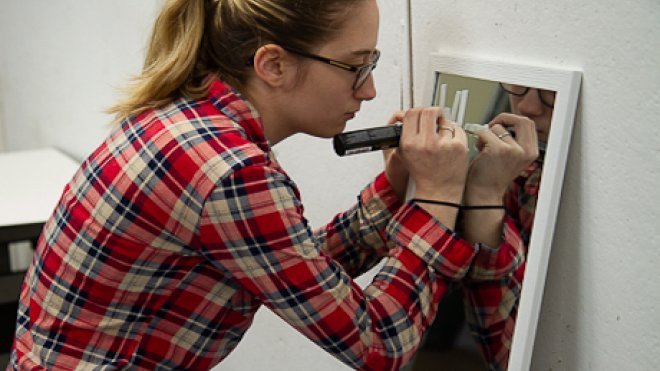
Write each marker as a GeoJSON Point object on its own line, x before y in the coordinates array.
{"type": "Point", "coordinates": [395, 170]}
{"type": "Point", "coordinates": [502, 157]}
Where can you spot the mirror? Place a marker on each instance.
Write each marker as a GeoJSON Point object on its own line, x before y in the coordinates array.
{"type": "Point", "coordinates": [472, 92]}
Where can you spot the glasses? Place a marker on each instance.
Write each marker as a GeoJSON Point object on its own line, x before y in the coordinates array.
{"type": "Point", "coordinates": [547, 97]}
{"type": "Point", "coordinates": [362, 71]}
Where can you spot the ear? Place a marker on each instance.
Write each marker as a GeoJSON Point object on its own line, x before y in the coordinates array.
{"type": "Point", "coordinates": [273, 65]}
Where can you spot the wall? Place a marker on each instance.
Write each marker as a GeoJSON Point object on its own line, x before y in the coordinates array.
{"type": "Point", "coordinates": [61, 65]}
{"type": "Point", "coordinates": [600, 309]}
{"type": "Point", "coordinates": [61, 61]}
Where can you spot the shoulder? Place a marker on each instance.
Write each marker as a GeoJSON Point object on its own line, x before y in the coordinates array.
{"type": "Point", "coordinates": [195, 137]}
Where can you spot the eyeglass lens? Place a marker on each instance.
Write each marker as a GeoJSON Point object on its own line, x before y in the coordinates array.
{"type": "Point", "coordinates": [365, 70]}
{"type": "Point", "coordinates": [547, 97]}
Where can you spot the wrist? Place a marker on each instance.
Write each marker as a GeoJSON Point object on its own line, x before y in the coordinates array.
{"type": "Point", "coordinates": [446, 195]}
{"type": "Point", "coordinates": [482, 197]}
{"type": "Point", "coordinates": [398, 185]}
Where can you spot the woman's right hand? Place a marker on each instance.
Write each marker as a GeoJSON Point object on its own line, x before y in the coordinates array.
{"type": "Point", "coordinates": [436, 154]}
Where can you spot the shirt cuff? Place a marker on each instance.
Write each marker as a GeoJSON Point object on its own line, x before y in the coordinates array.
{"type": "Point", "coordinates": [380, 196]}
{"type": "Point", "coordinates": [496, 263]}
{"type": "Point", "coordinates": [415, 229]}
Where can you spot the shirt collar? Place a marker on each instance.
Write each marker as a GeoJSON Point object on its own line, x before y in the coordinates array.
{"type": "Point", "coordinates": [232, 104]}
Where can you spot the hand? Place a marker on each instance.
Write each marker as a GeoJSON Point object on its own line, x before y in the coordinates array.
{"type": "Point", "coordinates": [435, 152]}
{"type": "Point", "coordinates": [395, 170]}
{"type": "Point", "coordinates": [501, 158]}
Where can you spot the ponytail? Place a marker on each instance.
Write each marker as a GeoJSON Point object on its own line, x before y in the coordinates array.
{"type": "Point", "coordinates": [194, 39]}
{"type": "Point", "coordinates": [170, 61]}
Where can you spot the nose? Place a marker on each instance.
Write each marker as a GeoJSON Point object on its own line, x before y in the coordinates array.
{"type": "Point", "coordinates": [367, 91]}
{"type": "Point", "coordinates": [530, 104]}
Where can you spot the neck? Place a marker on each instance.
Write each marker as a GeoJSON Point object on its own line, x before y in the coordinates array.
{"type": "Point", "coordinates": [267, 104]}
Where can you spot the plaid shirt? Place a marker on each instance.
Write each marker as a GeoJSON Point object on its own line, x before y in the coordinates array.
{"type": "Point", "coordinates": [492, 302]}
{"type": "Point", "coordinates": [181, 225]}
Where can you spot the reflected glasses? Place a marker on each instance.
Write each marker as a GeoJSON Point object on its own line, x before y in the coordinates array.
{"type": "Point", "coordinates": [547, 97]}
{"type": "Point", "coordinates": [362, 71]}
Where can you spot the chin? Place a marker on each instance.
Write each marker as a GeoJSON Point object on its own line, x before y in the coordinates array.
{"type": "Point", "coordinates": [326, 134]}
{"type": "Point", "coordinates": [341, 129]}
{"type": "Point", "coordinates": [337, 130]}
{"type": "Point", "coordinates": [327, 129]}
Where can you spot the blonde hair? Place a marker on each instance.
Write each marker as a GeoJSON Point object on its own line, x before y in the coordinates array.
{"type": "Point", "coordinates": [193, 39]}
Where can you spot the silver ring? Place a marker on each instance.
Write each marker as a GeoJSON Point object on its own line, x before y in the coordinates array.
{"type": "Point", "coordinates": [450, 129]}
{"type": "Point", "coordinates": [505, 134]}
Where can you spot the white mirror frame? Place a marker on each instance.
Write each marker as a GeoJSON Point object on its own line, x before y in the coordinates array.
{"type": "Point", "coordinates": [567, 85]}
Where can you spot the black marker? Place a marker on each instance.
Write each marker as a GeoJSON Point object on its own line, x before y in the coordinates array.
{"type": "Point", "coordinates": [367, 140]}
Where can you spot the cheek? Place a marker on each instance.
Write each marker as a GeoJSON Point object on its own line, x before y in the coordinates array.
{"type": "Point", "coordinates": [328, 98]}
{"type": "Point", "coordinates": [513, 102]}
{"type": "Point", "coordinates": [318, 112]}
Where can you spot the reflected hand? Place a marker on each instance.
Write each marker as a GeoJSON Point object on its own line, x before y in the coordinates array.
{"type": "Point", "coordinates": [502, 157]}
{"type": "Point", "coordinates": [395, 170]}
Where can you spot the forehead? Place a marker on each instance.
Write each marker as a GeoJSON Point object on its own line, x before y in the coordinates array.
{"type": "Point", "coordinates": [359, 33]}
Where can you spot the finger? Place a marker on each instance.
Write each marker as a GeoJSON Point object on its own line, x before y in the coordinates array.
{"type": "Point", "coordinates": [530, 148]}
{"type": "Point", "coordinates": [396, 117]}
{"type": "Point", "coordinates": [430, 119]}
{"type": "Point", "coordinates": [410, 123]}
{"type": "Point", "coordinates": [525, 131]}
{"type": "Point", "coordinates": [447, 128]}
{"type": "Point", "coordinates": [489, 137]}
{"type": "Point", "coordinates": [523, 127]}
{"type": "Point", "coordinates": [502, 134]}
{"type": "Point", "coordinates": [459, 134]}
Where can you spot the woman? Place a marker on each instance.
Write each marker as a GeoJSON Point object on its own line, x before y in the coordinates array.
{"type": "Point", "coordinates": [182, 224]}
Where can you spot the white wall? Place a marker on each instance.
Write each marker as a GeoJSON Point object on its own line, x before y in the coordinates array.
{"type": "Point", "coordinates": [61, 61]}
{"type": "Point", "coordinates": [61, 64]}
{"type": "Point", "coordinates": [602, 299]}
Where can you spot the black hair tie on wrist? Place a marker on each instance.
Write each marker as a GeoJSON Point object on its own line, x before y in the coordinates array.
{"type": "Point", "coordinates": [458, 206]}
{"type": "Point", "coordinates": [482, 207]}
{"type": "Point", "coordinates": [436, 202]}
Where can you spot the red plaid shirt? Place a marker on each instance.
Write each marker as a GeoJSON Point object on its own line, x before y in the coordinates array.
{"type": "Point", "coordinates": [492, 298]}
{"type": "Point", "coordinates": [181, 225]}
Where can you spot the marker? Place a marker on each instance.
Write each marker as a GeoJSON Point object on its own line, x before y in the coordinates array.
{"type": "Point", "coordinates": [367, 140]}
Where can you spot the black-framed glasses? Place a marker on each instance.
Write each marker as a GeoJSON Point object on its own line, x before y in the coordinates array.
{"type": "Point", "coordinates": [547, 97]}
{"type": "Point", "coordinates": [362, 71]}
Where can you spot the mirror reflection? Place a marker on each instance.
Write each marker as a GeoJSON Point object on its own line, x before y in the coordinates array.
{"type": "Point", "coordinates": [462, 336]}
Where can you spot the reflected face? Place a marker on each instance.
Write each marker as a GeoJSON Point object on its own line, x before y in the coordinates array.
{"type": "Point", "coordinates": [534, 104]}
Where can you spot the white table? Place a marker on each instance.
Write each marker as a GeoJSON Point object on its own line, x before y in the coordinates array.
{"type": "Point", "coordinates": [31, 183]}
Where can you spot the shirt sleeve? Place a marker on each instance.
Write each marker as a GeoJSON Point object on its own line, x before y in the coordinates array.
{"type": "Point", "coordinates": [492, 289]}
{"type": "Point", "coordinates": [492, 293]}
{"type": "Point", "coordinates": [491, 313]}
{"type": "Point", "coordinates": [253, 229]}
{"type": "Point", "coordinates": [356, 239]}
{"type": "Point", "coordinates": [493, 263]}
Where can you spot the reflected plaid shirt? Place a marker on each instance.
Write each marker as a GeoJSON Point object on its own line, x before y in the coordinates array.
{"type": "Point", "coordinates": [492, 302]}
{"type": "Point", "coordinates": [181, 225]}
